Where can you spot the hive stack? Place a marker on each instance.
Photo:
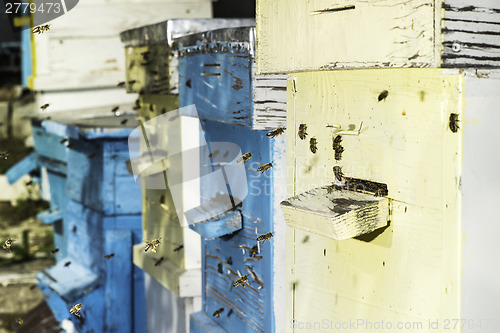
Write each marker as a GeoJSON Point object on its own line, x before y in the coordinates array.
{"type": "Point", "coordinates": [173, 272]}
{"type": "Point", "coordinates": [237, 109]}
{"type": "Point", "coordinates": [95, 210]}
{"type": "Point", "coordinates": [422, 132]}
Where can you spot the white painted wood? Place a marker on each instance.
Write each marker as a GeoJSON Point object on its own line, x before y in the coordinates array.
{"type": "Point", "coordinates": [480, 188]}
{"type": "Point", "coordinates": [99, 100]}
{"type": "Point", "coordinates": [279, 183]}
{"type": "Point", "coordinates": [269, 99]}
{"type": "Point", "coordinates": [83, 48]}
{"type": "Point", "coordinates": [165, 311]}
{"type": "Point", "coordinates": [318, 211]}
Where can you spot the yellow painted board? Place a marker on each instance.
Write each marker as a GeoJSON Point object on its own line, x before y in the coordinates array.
{"type": "Point", "coordinates": [411, 272]}
{"type": "Point", "coordinates": [297, 35]}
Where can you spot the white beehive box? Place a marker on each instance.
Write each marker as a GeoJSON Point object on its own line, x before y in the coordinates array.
{"type": "Point", "coordinates": [295, 35]}
{"type": "Point", "coordinates": [434, 261]}
{"type": "Point", "coordinates": [83, 50]}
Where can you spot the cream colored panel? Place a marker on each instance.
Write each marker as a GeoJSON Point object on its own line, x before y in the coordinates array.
{"type": "Point", "coordinates": [296, 35]}
{"type": "Point", "coordinates": [409, 273]}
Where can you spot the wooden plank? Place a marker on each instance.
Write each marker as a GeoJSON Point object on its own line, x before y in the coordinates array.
{"type": "Point", "coordinates": [269, 101]}
{"type": "Point", "coordinates": [118, 283]}
{"type": "Point", "coordinates": [298, 35]}
{"type": "Point", "coordinates": [411, 271]}
{"type": "Point", "coordinates": [338, 215]}
{"type": "Point", "coordinates": [58, 54]}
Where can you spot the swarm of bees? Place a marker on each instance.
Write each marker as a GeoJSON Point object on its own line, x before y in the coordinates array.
{"type": "Point", "coordinates": [8, 243]}
{"type": "Point", "coordinates": [264, 237]}
{"type": "Point", "coordinates": [263, 168]}
{"type": "Point", "coordinates": [313, 145]}
{"type": "Point", "coordinates": [76, 310]}
{"type": "Point", "coordinates": [152, 245]}
{"type": "Point", "coordinates": [241, 281]}
{"type": "Point", "coordinates": [276, 132]}
{"type": "Point", "coordinates": [302, 131]}
{"type": "Point", "coordinates": [218, 312]}
{"type": "Point", "coordinates": [245, 157]}
{"type": "Point", "coordinates": [41, 28]}
{"type": "Point", "coordinates": [454, 122]}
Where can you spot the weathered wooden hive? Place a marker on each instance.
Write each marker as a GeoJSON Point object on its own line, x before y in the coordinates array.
{"type": "Point", "coordinates": [236, 107]}
{"type": "Point", "coordinates": [173, 272]}
{"type": "Point", "coordinates": [356, 117]}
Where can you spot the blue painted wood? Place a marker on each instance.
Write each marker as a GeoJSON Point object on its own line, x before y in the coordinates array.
{"type": "Point", "coordinates": [47, 144]}
{"type": "Point", "coordinates": [221, 225]}
{"type": "Point", "coordinates": [201, 323]}
{"type": "Point", "coordinates": [50, 216]}
{"type": "Point", "coordinates": [216, 76]}
{"type": "Point", "coordinates": [26, 61]}
{"type": "Point", "coordinates": [23, 167]}
{"type": "Point", "coordinates": [90, 236]}
{"type": "Point", "coordinates": [208, 76]}
{"type": "Point", "coordinates": [63, 286]}
{"type": "Point", "coordinates": [98, 177]}
{"type": "Point", "coordinates": [118, 286]}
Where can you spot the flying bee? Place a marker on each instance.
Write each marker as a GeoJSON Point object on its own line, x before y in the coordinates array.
{"type": "Point", "coordinates": [76, 309]}
{"type": "Point", "coordinates": [219, 268]}
{"type": "Point", "coordinates": [8, 243]}
{"type": "Point", "coordinates": [159, 261]}
{"type": "Point", "coordinates": [124, 121]}
{"type": "Point", "coordinates": [338, 153]}
{"type": "Point", "coordinates": [20, 321]}
{"type": "Point", "coordinates": [131, 82]}
{"type": "Point", "coordinates": [29, 183]}
{"type": "Point", "coordinates": [263, 168]}
{"type": "Point", "coordinates": [109, 256]}
{"type": "Point", "coordinates": [4, 155]}
{"type": "Point", "coordinates": [241, 281]}
{"type": "Point", "coordinates": [45, 27]}
{"type": "Point", "coordinates": [229, 260]}
{"type": "Point", "coordinates": [152, 245]}
{"type": "Point", "coordinates": [218, 312]}
{"type": "Point", "coordinates": [245, 157]}
{"type": "Point", "coordinates": [121, 84]}
{"type": "Point", "coordinates": [336, 142]}
{"type": "Point", "coordinates": [36, 30]}
{"type": "Point", "coordinates": [67, 264]}
{"type": "Point", "coordinates": [91, 156]}
{"type": "Point", "coordinates": [302, 131]}
{"type": "Point", "coordinates": [454, 122]}
{"type": "Point", "coordinates": [264, 237]}
{"type": "Point", "coordinates": [276, 132]}
{"type": "Point", "coordinates": [337, 171]}
{"type": "Point", "coordinates": [54, 251]}
{"type": "Point", "coordinates": [178, 248]}
{"type": "Point", "coordinates": [44, 107]}
{"type": "Point", "coordinates": [64, 140]}
{"type": "Point", "coordinates": [115, 109]}
{"type": "Point", "coordinates": [313, 145]}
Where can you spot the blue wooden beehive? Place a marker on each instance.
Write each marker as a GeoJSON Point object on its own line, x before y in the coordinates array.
{"type": "Point", "coordinates": [101, 216]}
{"type": "Point", "coordinates": [216, 74]}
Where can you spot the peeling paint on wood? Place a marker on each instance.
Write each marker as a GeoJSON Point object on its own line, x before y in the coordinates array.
{"type": "Point", "coordinates": [422, 33]}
